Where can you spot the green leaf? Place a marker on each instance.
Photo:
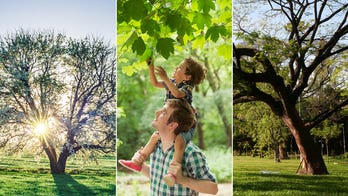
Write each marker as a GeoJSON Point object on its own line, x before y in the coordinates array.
{"type": "Point", "coordinates": [138, 46]}
{"type": "Point", "coordinates": [206, 5]}
{"type": "Point", "coordinates": [215, 31]}
{"type": "Point", "coordinates": [130, 40]}
{"type": "Point", "coordinates": [135, 9]}
{"type": "Point", "coordinates": [173, 20]}
{"type": "Point", "coordinates": [201, 19]}
{"type": "Point", "coordinates": [150, 26]}
{"type": "Point", "coordinates": [165, 46]}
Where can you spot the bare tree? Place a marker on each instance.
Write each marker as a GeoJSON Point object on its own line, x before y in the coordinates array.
{"type": "Point", "coordinates": [280, 71]}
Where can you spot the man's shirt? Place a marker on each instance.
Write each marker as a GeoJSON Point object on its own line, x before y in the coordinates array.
{"type": "Point", "coordinates": [193, 166]}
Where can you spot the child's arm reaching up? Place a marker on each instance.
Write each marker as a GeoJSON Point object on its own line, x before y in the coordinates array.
{"type": "Point", "coordinates": [176, 92]}
{"type": "Point", "coordinates": [153, 78]}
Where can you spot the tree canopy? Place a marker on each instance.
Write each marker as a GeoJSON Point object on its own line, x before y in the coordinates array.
{"type": "Point", "coordinates": [63, 86]}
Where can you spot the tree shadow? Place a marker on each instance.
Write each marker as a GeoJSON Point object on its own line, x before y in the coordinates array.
{"type": "Point", "coordinates": [66, 185]}
{"type": "Point", "coordinates": [321, 184]}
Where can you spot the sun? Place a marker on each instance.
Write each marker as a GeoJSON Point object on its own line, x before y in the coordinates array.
{"type": "Point", "coordinates": [40, 129]}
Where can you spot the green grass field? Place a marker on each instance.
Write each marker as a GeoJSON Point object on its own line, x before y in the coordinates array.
{"type": "Point", "coordinates": [27, 176]}
{"type": "Point", "coordinates": [256, 176]}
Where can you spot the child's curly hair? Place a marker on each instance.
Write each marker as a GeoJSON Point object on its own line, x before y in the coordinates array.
{"type": "Point", "coordinates": [196, 70]}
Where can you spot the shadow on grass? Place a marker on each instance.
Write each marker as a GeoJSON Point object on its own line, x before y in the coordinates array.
{"type": "Point", "coordinates": [66, 185]}
{"type": "Point", "coordinates": [326, 185]}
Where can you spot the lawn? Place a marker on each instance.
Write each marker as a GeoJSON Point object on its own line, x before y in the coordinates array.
{"type": "Point", "coordinates": [27, 176]}
{"type": "Point", "coordinates": [260, 176]}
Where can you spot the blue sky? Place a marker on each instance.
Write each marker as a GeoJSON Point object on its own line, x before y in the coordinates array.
{"type": "Point", "coordinates": [74, 18]}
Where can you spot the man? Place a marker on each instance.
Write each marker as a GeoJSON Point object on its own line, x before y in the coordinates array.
{"type": "Point", "coordinates": [193, 176]}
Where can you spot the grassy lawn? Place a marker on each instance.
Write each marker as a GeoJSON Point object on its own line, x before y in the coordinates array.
{"type": "Point", "coordinates": [256, 176]}
{"type": "Point", "coordinates": [27, 176]}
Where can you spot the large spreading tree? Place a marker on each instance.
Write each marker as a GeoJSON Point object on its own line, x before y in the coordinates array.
{"type": "Point", "coordinates": [57, 95]}
{"type": "Point", "coordinates": [290, 55]}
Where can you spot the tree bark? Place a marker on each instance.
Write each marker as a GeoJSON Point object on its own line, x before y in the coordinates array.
{"type": "Point", "coordinates": [52, 156]}
{"type": "Point", "coordinates": [312, 161]}
{"type": "Point", "coordinates": [282, 153]}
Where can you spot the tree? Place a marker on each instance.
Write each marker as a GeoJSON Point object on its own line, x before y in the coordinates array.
{"type": "Point", "coordinates": [327, 132]}
{"type": "Point", "coordinates": [63, 86]}
{"type": "Point", "coordinates": [264, 127]}
{"type": "Point", "coordinates": [280, 67]}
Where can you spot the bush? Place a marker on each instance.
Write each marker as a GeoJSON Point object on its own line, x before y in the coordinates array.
{"type": "Point", "coordinates": [220, 163]}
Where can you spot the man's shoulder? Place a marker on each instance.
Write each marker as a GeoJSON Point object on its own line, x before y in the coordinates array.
{"type": "Point", "coordinates": [191, 148]}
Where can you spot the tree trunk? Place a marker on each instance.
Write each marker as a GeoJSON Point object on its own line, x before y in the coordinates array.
{"type": "Point", "coordinates": [52, 157]}
{"type": "Point", "coordinates": [282, 153]}
{"type": "Point", "coordinates": [312, 161]}
{"type": "Point", "coordinates": [218, 101]}
{"type": "Point", "coordinates": [57, 167]}
{"type": "Point", "coordinates": [200, 135]}
{"type": "Point", "coordinates": [276, 153]}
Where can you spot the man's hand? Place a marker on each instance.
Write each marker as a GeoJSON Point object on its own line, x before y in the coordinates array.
{"type": "Point", "coordinates": [161, 73]}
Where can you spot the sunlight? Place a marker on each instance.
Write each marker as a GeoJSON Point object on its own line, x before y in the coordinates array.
{"type": "Point", "coordinates": [40, 129]}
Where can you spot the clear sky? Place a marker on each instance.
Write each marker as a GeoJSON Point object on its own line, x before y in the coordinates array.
{"type": "Point", "coordinates": [74, 18]}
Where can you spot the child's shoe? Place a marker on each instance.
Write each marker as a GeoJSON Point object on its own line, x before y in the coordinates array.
{"type": "Point", "coordinates": [130, 165]}
{"type": "Point", "coordinates": [169, 179]}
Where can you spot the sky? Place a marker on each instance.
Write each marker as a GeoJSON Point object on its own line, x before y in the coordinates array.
{"type": "Point", "coordinates": [73, 18]}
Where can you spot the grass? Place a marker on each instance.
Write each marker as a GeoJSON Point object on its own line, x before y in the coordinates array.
{"type": "Point", "coordinates": [256, 176]}
{"type": "Point", "coordinates": [27, 176]}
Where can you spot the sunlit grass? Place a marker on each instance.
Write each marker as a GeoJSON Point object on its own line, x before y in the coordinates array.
{"type": "Point", "coordinates": [27, 176]}
{"type": "Point", "coordinates": [260, 176]}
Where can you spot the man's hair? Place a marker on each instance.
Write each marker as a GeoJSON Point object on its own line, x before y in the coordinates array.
{"type": "Point", "coordinates": [196, 70]}
{"type": "Point", "coordinates": [183, 114]}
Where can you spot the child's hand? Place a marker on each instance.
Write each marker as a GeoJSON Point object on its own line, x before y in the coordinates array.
{"type": "Point", "coordinates": [139, 157]}
{"type": "Point", "coordinates": [149, 61]}
{"type": "Point", "coordinates": [161, 72]}
{"type": "Point", "coordinates": [175, 169]}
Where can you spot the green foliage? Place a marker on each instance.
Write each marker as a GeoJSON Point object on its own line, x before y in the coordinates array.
{"type": "Point", "coordinates": [220, 163]}
{"type": "Point", "coordinates": [165, 46]}
{"type": "Point", "coordinates": [256, 120]}
{"type": "Point", "coordinates": [155, 22]}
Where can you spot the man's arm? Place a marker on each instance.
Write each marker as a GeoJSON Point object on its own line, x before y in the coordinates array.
{"type": "Point", "coordinates": [202, 186]}
{"type": "Point", "coordinates": [145, 169]}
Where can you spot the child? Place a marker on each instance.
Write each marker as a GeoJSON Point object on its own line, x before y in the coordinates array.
{"type": "Point", "coordinates": [185, 77]}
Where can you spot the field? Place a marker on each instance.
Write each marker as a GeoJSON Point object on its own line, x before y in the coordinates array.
{"type": "Point", "coordinates": [256, 176]}
{"type": "Point", "coordinates": [27, 176]}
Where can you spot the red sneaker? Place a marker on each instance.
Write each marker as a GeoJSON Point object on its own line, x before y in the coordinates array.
{"type": "Point", "coordinates": [130, 165]}
{"type": "Point", "coordinates": [169, 179]}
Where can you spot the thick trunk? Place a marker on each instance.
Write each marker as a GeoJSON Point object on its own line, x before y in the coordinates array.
{"type": "Point", "coordinates": [63, 157]}
{"type": "Point", "coordinates": [312, 161]}
{"type": "Point", "coordinates": [57, 167]}
{"type": "Point", "coordinates": [52, 157]}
